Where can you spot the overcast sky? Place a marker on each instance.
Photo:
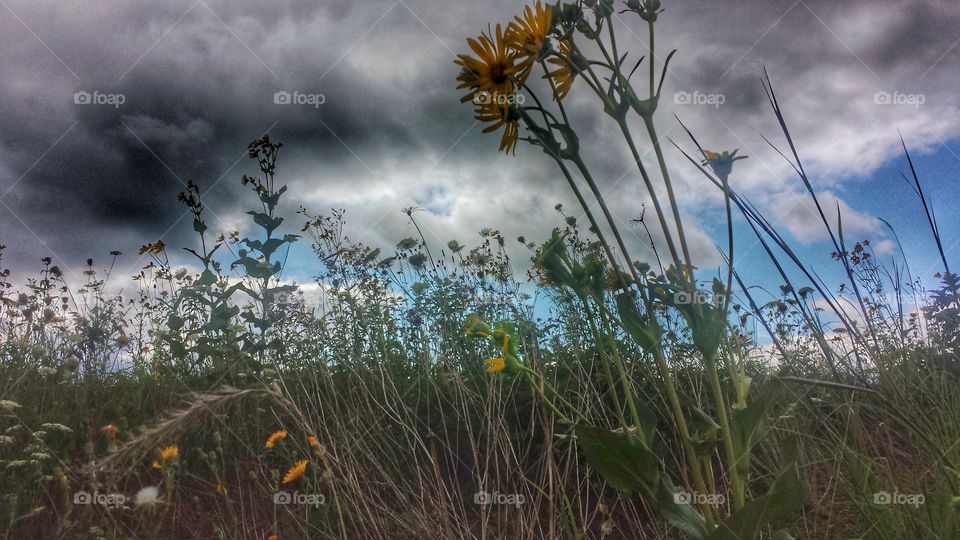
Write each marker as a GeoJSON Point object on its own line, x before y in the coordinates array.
{"type": "Point", "coordinates": [197, 80]}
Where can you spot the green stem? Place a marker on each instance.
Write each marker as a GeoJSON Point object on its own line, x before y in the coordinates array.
{"type": "Point", "coordinates": [736, 481]}
{"type": "Point", "coordinates": [606, 368]}
{"type": "Point", "coordinates": [681, 423]}
{"type": "Point", "coordinates": [652, 132]}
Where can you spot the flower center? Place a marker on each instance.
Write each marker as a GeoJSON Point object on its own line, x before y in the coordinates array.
{"type": "Point", "coordinates": [497, 73]}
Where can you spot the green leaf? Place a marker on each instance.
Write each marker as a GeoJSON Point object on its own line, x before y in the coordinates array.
{"type": "Point", "coordinates": [206, 279]}
{"type": "Point", "coordinates": [745, 428]}
{"type": "Point", "coordinates": [784, 495]}
{"type": "Point", "coordinates": [643, 329]}
{"type": "Point", "coordinates": [623, 463]}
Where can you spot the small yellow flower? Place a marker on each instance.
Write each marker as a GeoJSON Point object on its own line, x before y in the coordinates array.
{"type": "Point", "coordinates": [110, 431]}
{"type": "Point", "coordinates": [170, 452]}
{"type": "Point", "coordinates": [494, 364]}
{"type": "Point", "coordinates": [156, 465]}
{"type": "Point", "coordinates": [313, 442]}
{"type": "Point", "coordinates": [721, 163]}
{"type": "Point", "coordinates": [295, 472]}
{"type": "Point", "coordinates": [221, 490]}
{"type": "Point", "coordinates": [275, 437]}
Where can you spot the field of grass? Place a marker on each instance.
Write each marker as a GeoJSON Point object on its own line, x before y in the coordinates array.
{"type": "Point", "coordinates": [417, 393]}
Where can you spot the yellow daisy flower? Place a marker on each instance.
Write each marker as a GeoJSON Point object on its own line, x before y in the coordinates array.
{"type": "Point", "coordinates": [564, 75]}
{"type": "Point", "coordinates": [492, 71]}
{"type": "Point", "coordinates": [275, 437]}
{"type": "Point", "coordinates": [491, 82]}
{"type": "Point", "coordinates": [295, 472]}
{"type": "Point", "coordinates": [528, 36]}
{"type": "Point", "coordinates": [495, 113]}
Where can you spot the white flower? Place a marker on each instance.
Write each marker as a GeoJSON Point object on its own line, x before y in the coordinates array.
{"type": "Point", "coordinates": [5, 440]}
{"type": "Point", "coordinates": [8, 405]}
{"type": "Point", "coordinates": [47, 371]}
{"type": "Point", "coordinates": [147, 496]}
{"type": "Point", "coordinates": [56, 427]}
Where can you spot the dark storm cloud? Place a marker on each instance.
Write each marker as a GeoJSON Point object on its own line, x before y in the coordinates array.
{"type": "Point", "coordinates": [198, 81]}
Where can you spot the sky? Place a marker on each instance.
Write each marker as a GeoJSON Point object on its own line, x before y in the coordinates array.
{"type": "Point", "coordinates": [108, 108]}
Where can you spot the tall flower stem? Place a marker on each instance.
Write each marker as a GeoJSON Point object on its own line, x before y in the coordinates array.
{"type": "Point", "coordinates": [605, 365]}
{"type": "Point", "coordinates": [719, 404]}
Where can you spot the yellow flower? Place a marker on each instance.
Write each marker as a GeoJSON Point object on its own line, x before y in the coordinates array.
{"type": "Point", "coordinates": [721, 163]}
{"type": "Point", "coordinates": [296, 471]}
{"type": "Point", "coordinates": [275, 437]}
{"type": "Point", "coordinates": [507, 118]}
{"type": "Point", "coordinates": [491, 82]}
{"type": "Point", "coordinates": [528, 36]}
{"type": "Point", "coordinates": [109, 430]}
{"type": "Point", "coordinates": [170, 452]}
{"type": "Point", "coordinates": [492, 71]}
{"type": "Point", "coordinates": [564, 75]}
{"type": "Point", "coordinates": [156, 465]}
{"type": "Point", "coordinates": [494, 364]}
{"type": "Point", "coordinates": [221, 490]}
{"type": "Point", "coordinates": [313, 442]}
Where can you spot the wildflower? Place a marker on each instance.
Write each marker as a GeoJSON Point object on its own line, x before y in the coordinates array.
{"type": "Point", "coordinates": [722, 164]}
{"type": "Point", "coordinates": [110, 431]}
{"type": "Point", "coordinates": [528, 37]}
{"type": "Point", "coordinates": [494, 365]}
{"type": "Point", "coordinates": [273, 537]}
{"type": "Point", "coordinates": [568, 65]}
{"type": "Point", "coordinates": [221, 489]}
{"type": "Point", "coordinates": [313, 442]}
{"type": "Point", "coordinates": [491, 80]}
{"type": "Point", "coordinates": [9, 406]}
{"type": "Point", "coordinates": [170, 452]}
{"type": "Point", "coordinates": [507, 118]}
{"type": "Point", "coordinates": [295, 472]}
{"type": "Point", "coordinates": [47, 371]}
{"type": "Point", "coordinates": [275, 437]}
{"type": "Point", "coordinates": [147, 496]}
{"type": "Point", "coordinates": [56, 427]}
{"type": "Point", "coordinates": [492, 71]}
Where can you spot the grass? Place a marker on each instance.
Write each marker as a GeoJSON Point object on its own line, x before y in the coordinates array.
{"type": "Point", "coordinates": [645, 403]}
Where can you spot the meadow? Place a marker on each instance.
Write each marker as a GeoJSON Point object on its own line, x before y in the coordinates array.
{"type": "Point", "coordinates": [416, 392]}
